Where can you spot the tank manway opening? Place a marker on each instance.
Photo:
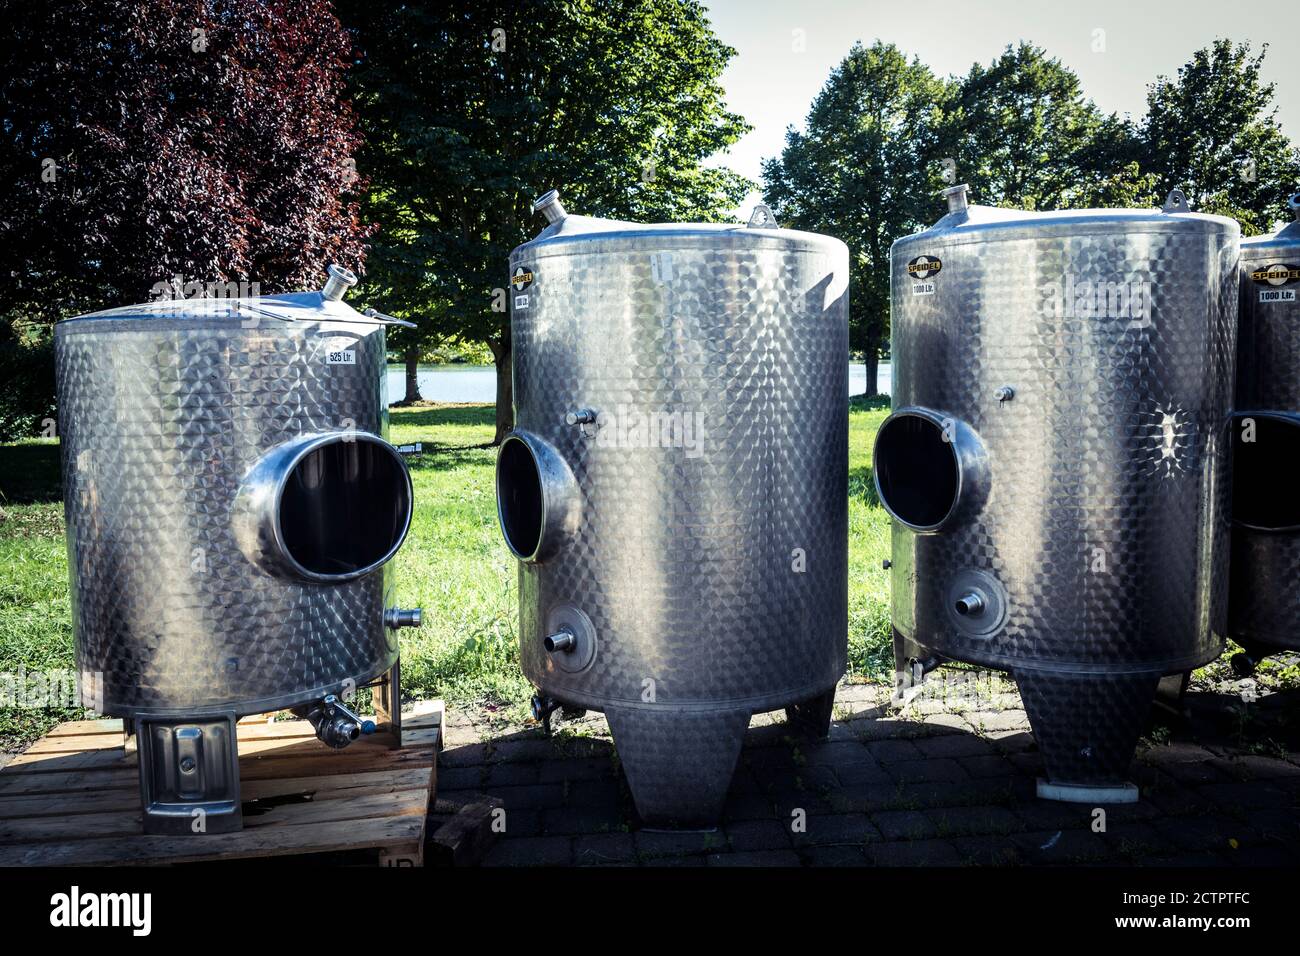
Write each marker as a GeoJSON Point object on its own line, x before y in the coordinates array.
{"type": "Point", "coordinates": [345, 506]}
{"type": "Point", "coordinates": [519, 498]}
{"type": "Point", "coordinates": [918, 474]}
{"type": "Point", "coordinates": [1266, 461]}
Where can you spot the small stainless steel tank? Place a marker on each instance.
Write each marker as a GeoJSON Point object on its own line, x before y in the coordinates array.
{"type": "Point", "coordinates": [1057, 462]}
{"type": "Point", "coordinates": [231, 502]}
{"type": "Point", "coordinates": [1264, 608]}
{"type": "Point", "coordinates": [676, 486]}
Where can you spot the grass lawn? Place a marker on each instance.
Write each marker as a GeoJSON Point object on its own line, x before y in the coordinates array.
{"type": "Point", "coordinates": [454, 565]}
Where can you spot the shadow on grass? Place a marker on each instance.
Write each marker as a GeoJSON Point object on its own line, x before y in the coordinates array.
{"type": "Point", "coordinates": [862, 484]}
{"type": "Point", "coordinates": [30, 473]}
{"type": "Point", "coordinates": [435, 416]}
{"type": "Point", "coordinates": [867, 403]}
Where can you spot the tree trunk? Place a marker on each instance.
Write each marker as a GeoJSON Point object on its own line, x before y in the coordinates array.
{"type": "Point", "coordinates": [872, 361]}
{"type": "Point", "coordinates": [412, 357]}
{"type": "Point", "coordinates": [501, 354]}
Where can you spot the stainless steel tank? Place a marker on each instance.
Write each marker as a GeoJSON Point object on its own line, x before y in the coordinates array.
{"type": "Point", "coordinates": [1264, 607]}
{"type": "Point", "coordinates": [231, 501]}
{"type": "Point", "coordinates": [1057, 462]}
{"type": "Point", "coordinates": [675, 487]}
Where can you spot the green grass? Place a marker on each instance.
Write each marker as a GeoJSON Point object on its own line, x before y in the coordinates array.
{"type": "Point", "coordinates": [454, 565]}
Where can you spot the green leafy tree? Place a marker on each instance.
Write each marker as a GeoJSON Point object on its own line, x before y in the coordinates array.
{"type": "Point", "coordinates": [1023, 136]}
{"type": "Point", "coordinates": [865, 169]}
{"type": "Point", "coordinates": [471, 110]}
{"type": "Point", "coordinates": [1213, 132]}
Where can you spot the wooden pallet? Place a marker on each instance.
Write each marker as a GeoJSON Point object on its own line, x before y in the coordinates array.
{"type": "Point", "coordinates": [73, 797]}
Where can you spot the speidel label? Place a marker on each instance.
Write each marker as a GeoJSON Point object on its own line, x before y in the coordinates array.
{"type": "Point", "coordinates": [1274, 278]}
{"type": "Point", "coordinates": [919, 270]}
{"type": "Point", "coordinates": [521, 280]}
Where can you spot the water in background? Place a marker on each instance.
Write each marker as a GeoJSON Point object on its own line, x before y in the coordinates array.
{"type": "Point", "coordinates": [460, 383]}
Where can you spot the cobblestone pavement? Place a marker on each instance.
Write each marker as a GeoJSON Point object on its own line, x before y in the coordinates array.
{"type": "Point", "coordinates": [949, 782]}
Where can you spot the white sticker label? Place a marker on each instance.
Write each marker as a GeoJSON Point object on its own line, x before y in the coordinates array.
{"type": "Point", "coordinates": [341, 357]}
{"type": "Point", "coordinates": [521, 302]}
{"type": "Point", "coordinates": [922, 288]}
{"type": "Point", "coordinates": [1277, 295]}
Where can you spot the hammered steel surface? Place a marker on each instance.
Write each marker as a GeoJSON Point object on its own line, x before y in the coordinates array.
{"type": "Point", "coordinates": [1264, 606]}
{"type": "Point", "coordinates": [160, 414]}
{"type": "Point", "coordinates": [1105, 513]}
{"type": "Point", "coordinates": [1087, 726]}
{"type": "Point", "coordinates": [712, 563]}
{"type": "Point", "coordinates": [1100, 524]}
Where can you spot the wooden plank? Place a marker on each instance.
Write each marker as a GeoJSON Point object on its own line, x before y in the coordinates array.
{"type": "Point", "coordinates": [382, 802]}
{"type": "Point", "coordinates": [73, 797]}
{"type": "Point", "coordinates": [330, 787]}
{"type": "Point", "coordinates": [466, 838]}
{"type": "Point", "coordinates": [381, 832]}
{"type": "Point", "coordinates": [124, 775]}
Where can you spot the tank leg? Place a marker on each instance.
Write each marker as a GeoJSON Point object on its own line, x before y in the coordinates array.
{"type": "Point", "coordinates": [1087, 727]}
{"type": "Point", "coordinates": [812, 717]}
{"type": "Point", "coordinates": [679, 762]}
{"type": "Point", "coordinates": [189, 774]}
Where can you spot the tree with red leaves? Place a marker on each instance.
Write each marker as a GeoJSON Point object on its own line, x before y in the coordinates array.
{"type": "Point", "coordinates": [145, 139]}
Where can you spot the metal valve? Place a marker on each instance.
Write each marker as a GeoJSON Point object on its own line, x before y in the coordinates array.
{"type": "Point", "coordinates": [396, 617]}
{"type": "Point", "coordinates": [561, 640]}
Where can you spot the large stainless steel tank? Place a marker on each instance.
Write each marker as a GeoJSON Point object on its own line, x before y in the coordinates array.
{"type": "Point", "coordinates": [1264, 608]}
{"type": "Point", "coordinates": [676, 486]}
{"type": "Point", "coordinates": [1057, 462]}
{"type": "Point", "coordinates": [231, 501]}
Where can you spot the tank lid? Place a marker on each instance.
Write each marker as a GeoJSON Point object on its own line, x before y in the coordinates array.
{"type": "Point", "coordinates": [563, 226]}
{"type": "Point", "coordinates": [326, 305]}
{"type": "Point", "coordinates": [1288, 235]}
{"type": "Point", "coordinates": [965, 222]}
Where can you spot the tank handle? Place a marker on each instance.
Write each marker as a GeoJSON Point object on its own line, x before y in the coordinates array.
{"type": "Point", "coordinates": [762, 218]}
{"type": "Point", "coordinates": [1294, 204]}
{"type": "Point", "coordinates": [1176, 202]}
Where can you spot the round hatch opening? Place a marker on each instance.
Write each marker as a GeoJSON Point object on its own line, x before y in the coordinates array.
{"type": "Point", "coordinates": [520, 504]}
{"type": "Point", "coordinates": [918, 474]}
{"type": "Point", "coordinates": [1265, 462]}
{"type": "Point", "coordinates": [345, 506]}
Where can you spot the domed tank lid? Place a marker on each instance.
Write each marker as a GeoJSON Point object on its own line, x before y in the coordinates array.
{"type": "Point", "coordinates": [968, 223]}
{"type": "Point", "coordinates": [325, 305]}
{"type": "Point", "coordinates": [563, 228]}
{"type": "Point", "coordinates": [1288, 235]}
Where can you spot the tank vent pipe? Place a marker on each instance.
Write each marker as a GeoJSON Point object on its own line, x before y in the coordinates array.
{"type": "Point", "coordinates": [1294, 203]}
{"type": "Point", "coordinates": [549, 205]}
{"type": "Point", "coordinates": [338, 283]}
{"type": "Point", "coordinates": [956, 196]}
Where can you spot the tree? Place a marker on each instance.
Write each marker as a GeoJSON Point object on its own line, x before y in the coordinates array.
{"type": "Point", "coordinates": [471, 110]}
{"type": "Point", "coordinates": [202, 138]}
{"type": "Point", "coordinates": [866, 170]}
{"type": "Point", "coordinates": [1213, 132]}
{"type": "Point", "coordinates": [1023, 136]}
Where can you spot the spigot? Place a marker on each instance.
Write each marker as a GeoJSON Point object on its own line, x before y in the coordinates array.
{"type": "Point", "coordinates": [562, 640]}
{"type": "Point", "coordinates": [396, 617]}
{"type": "Point", "coordinates": [335, 723]}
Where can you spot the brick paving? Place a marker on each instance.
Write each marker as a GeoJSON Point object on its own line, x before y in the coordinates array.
{"type": "Point", "coordinates": [940, 784]}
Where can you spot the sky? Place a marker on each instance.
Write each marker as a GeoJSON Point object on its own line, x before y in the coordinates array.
{"type": "Point", "coordinates": [772, 83]}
